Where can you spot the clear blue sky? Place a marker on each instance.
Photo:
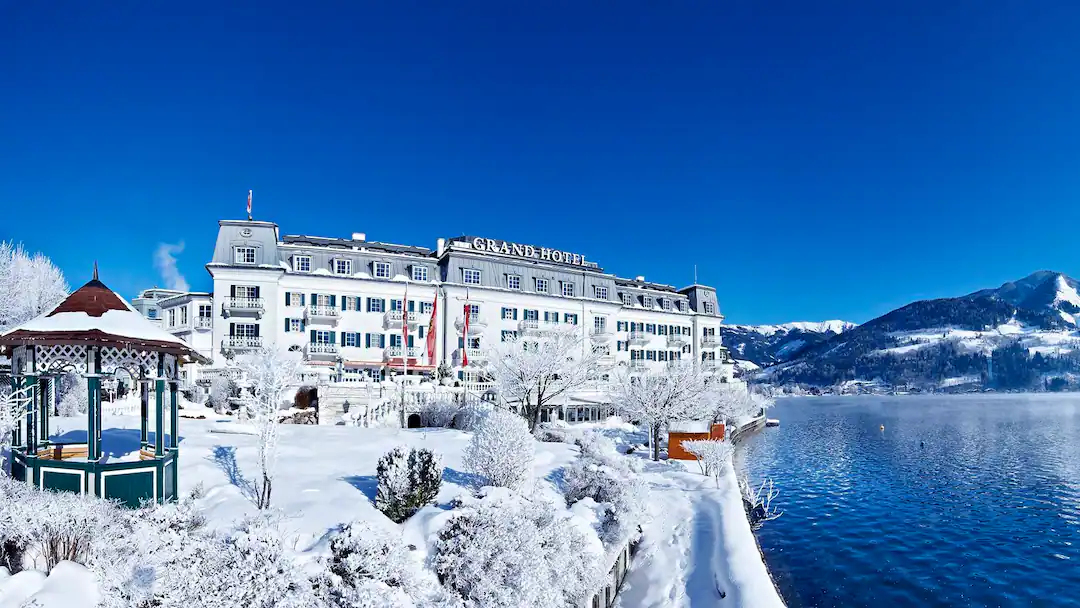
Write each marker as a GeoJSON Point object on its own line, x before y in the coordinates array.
{"type": "Point", "coordinates": [814, 159]}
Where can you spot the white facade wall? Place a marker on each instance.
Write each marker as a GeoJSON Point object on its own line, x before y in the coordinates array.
{"type": "Point", "coordinates": [181, 315]}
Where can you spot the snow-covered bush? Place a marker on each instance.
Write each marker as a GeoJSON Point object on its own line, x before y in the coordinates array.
{"type": "Point", "coordinates": [757, 501]}
{"type": "Point", "coordinates": [711, 455]}
{"type": "Point", "coordinates": [472, 413]}
{"type": "Point", "coordinates": [501, 450]}
{"type": "Point", "coordinates": [609, 480]}
{"type": "Point", "coordinates": [439, 412]}
{"type": "Point", "coordinates": [407, 482]}
{"type": "Point", "coordinates": [222, 388]}
{"type": "Point", "coordinates": [505, 551]}
{"type": "Point", "coordinates": [72, 395]}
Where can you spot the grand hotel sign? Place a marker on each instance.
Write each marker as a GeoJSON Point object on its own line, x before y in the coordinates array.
{"type": "Point", "coordinates": [528, 251]}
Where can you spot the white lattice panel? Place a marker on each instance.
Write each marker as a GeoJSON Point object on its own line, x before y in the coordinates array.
{"type": "Point", "coordinates": [133, 361]}
{"type": "Point", "coordinates": [61, 357]}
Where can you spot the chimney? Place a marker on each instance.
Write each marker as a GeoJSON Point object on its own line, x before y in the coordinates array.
{"type": "Point", "coordinates": [640, 278]}
{"type": "Point", "coordinates": [359, 236]}
{"type": "Point", "coordinates": [440, 247]}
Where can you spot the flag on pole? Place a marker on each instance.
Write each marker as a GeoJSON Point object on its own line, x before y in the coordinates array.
{"type": "Point", "coordinates": [405, 325]}
{"type": "Point", "coordinates": [431, 332]}
{"type": "Point", "coordinates": [249, 204]}
{"type": "Point", "coordinates": [465, 333]}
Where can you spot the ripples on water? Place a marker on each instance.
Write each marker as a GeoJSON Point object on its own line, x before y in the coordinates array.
{"type": "Point", "coordinates": [985, 513]}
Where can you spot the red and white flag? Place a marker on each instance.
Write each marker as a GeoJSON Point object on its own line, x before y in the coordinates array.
{"type": "Point", "coordinates": [465, 333]}
{"type": "Point", "coordinates": [431, 332]}
{"type": "Point", "coordinates": [405, 324]}
{"type": "Point", "coordinates": [249, 204]}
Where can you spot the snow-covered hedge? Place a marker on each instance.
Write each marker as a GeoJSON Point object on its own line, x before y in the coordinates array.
{"type": "Point", "coordinates": [407, 482]}
{"type": "Point", "coordinates": [502, 450]}
{"type": "Point", "coordinates": [504, 550]}
{"type": "Point", "coordinates": [610, 480]}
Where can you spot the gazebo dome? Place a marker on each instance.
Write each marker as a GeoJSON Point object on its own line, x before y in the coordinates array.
{"type": "Point", "coordinates": [94, 315]}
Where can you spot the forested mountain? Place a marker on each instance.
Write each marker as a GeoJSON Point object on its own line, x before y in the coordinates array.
{"type": "Point", "coordinates": [764, 345]}
{"type": "Point", "coordinates": [1022, 335]}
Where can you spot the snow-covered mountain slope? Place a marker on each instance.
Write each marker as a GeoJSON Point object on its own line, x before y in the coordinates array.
{"type": "Point", "coordinates": [763, 345]}
{"type": "Point", "coordinates": [1020, 335]}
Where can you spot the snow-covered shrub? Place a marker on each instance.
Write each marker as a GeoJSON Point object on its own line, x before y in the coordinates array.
{"type": "Point", "coordinates": [552, 434]}
{"type": "Point", "coordinates": [594, 445]}
{"type": "Point", "coordinates": [407, 482]}
{"type": "Point", "coordinates": [711, 455]}
{"type": "Point", "coordinates": [757, 501]}
{"type": "Point", "coordinates": [502, 450]}
{"type": "Point", "coordinates": [472, 413]}
{"type": "Point", "coordinates": [505, 551]}
{"type": "Point", "coordinates": [72, 395]}
{"type": "Point", "coordinates": [222, 388]}
{"type": "Point", "coordinates": [439, 413]}
{"type": "Point", "coordinates": [622, 493]}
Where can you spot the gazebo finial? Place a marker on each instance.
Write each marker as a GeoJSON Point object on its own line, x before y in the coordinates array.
{"type": "Point", "coordinates": [95, 270]}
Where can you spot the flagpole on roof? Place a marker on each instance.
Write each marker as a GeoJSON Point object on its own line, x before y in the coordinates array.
{"type": "Point", "coordinates": [249, 205]}
{"type": "Point", "coordinates": [404, 347]}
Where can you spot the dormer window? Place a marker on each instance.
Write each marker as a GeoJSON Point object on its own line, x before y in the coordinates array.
{"type": "Point", "coordinates": [342, 266]}
{"type": "Point", "coordinates": [666, 303]}
{"type": "Point", "coordinates": [419, 273]}
{"type": "Point", "coordinates": [301, 263]}
{"type": "Point", "coordinates": [646, 301]}
{"type": "Point", "coordinates": [710, 308]}
{"type": "Point", "coordinates": [381, 270]}
{"type": "Point", "coordinates": [244, 255]}
{"type": "Point", "coordinates": [626, 298]}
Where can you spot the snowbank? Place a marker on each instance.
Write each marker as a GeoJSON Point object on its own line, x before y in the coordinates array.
{"type": "Point", "coordinates": [69, 585]}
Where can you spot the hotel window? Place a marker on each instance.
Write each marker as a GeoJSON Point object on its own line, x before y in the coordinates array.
{"type": "Point", "coordinates": [321, 336]}
{"type": "Point", "coordinates": [470, 276]}
{"type": "Point", "coordinates": [397, 305]}
{"type": "Point", "coordinates": [294, 325]}
{"type": "Point", "coordinates": [619, 346]}
{"type": "Point", "coordinates": [599, 324]}
{"type": "Point", "coordinates": [650, 355]}
{"type": "Point", "coordinates": [626, 298]}
{"type": "Point", "coordinates": [205, 311]}
{"type": "Point", "coordinates": [662, 330]}
{"type": "Point", "coordinates": [245, 330]}
{"type": "Point", "coordinates": [183, 316]}
{"type": "Point", "coordinates": [509, 314]}
{"type": "Point", "coordinates": [513, 281]}
{"type": "Point", "coordinates": [342, 266]}
{"type": "Point", "coordinates": [647, 301]}
{"type": "Point", "coordinates": [542, 285]}
{"type": "Point", "coordinates": [532, 315]}
{"type": "Point", "coordinates": [599, 292]}
{"type": "Point", "coordinates": [679, 306]}
{"type": "Point", "coordinates": [567, 289]}
{"type": "Point", "coordinates": [245, 292]}
{"type": "Point", "coordinates": [637, 355]}
{"type": "Point", "coordinates": [708, 331]}
{"type": "Point", "coordinates": [709, 308]}
{"type": "Point", "coordinates": [244, 255]}
{"type": "Point", "coordinates": [375, 341]}
{"type": "Point", "coordinates": [474, 311]}
{"type": "Point", "coordinates": [419, 273]}
{"type": "Point", "coordinates": [508, 335]}
{"type": "Point", "coordinates": [666, 303]}
{"type": "Point", "coordinates": [474, 343]}
{"type": "Point", "coordinates": [376, 305]}
{"type": "Point", "coordinates": [152, 313]}
{"type": "Point", "coordinates": [551, 317]}
{"type": "Point", "coordinates": [294, 298]}
{"type": "Point", "coordinates": [301, 263]}
{"type": "Point", "coordinates": [380, 270]}
{"type": "Point", "coordinates": [570, 318]}
{"type": "Point", "coordinates": [350, 303]}
{"type": "Point", "coordinates": [425, 307]}
{"type": "Point", "coordinates": [172, 317]}
{"type": "Point", "coordinates": [650, 328]}
{"type": "Point", "coordinates": [662, 355]}
{"type": "Point", "coordinates": [686, 348]}
{"type": "Point", "coordinates": [350, 339]}
{"type": "Point", "coordinates": [621, 326]}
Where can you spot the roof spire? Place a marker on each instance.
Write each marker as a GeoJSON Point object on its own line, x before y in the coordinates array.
{"type": "Point", "coordinates": [95, 270]}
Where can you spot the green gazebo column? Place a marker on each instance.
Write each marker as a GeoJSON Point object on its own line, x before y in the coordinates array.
{"type": "Point", "coordinates": [16, 433]}
{"type": "Point", "coordinates": [30, 385]}
{"type": "Point", "coordinates": [159, 414]}
{"type": "Point", "coordinates": [93, 418]}
{"type": "Point", "coordinates": [44, 390]}
{"type": "Point", "coordinates": [174, 416]}
{"type": "Point", "coordinates": [144, 413]}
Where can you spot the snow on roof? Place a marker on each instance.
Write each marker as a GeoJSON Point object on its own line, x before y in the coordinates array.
{"type": "Point", "coordinates": [96, 314]}
{"type": "Point", "coordinates": [689, 426]}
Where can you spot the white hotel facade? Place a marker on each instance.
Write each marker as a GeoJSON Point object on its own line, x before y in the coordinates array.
{"type": "Point", "coordinates": [341, 303]}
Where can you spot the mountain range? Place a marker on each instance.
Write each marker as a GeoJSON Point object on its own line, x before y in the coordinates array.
{"type": "Point", "coordinates": [1022, 335]}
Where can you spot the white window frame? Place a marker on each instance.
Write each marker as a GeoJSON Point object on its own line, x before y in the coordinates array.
{"type": "Point", "coordinates": [349, 336]}
{"type": "Point", "coordinates": [513, 281]}
{"type": "Point", "coordinates": [172, 317]}
{"type": "Point", "coordinates": [647, 301]}
{"type": "Point", "coordinates": [321, 336]}
{"type": "Point", "coordinates": [299, 263]}
{"type": "Point", "coordinates": [627, 299]}
{"type": "Point", "coordinates": [567, 288]}
{"type": "Point", "coordinates": [600, 292]}
{"type": "Point", "coordinates": [380, 270]}
{"type": "Point", "coordinates": [471, 276]}
{"type": "Point", "coordinates": [507, 314]}
{"type": "Point", "coordinates": [296, 325]}
{"type": "Point", "coordinates": [295, 299]}
{"type": "Point", "coordinates": [240, 255]}
{"type": "Point", "coordinates": [244, 330]}
{"type": "Point", "coordinates": [245, 292]}
{"type": "Point", "coordinates": [183, 315]}
{"type": "Point", "coordinates": [541, 285]}
{"type": "Point", "coordinates": [425, 308]}
{"type": "Point", "coordinates": [419, 273]}
{"type": "Point", "coordinates": [347, 267]}
{"type": "Point", "coordinates": [666, 303]}
{"type": "Point", "coordinates": [599, 323]}
{"type": "Point", "coordinates": [709, 308]}
{"type": "Point", "coordinates": [209, 311]}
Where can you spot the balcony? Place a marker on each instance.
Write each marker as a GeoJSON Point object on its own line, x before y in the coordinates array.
{"type": "Point", "coordinates": [324, 314]}
{"type": "Point", "coordinates": [607, 360]}
{"type": "Point", "coordinates": [537, 326]}
{"type": "Point", "coordinates": [204, 323]}
{"type": "Point", "coordinates": [639, 338]}
{"type": "Point", "coordinates": [393, 318]}
{"type": "Point", "coordinates": [709, 365]}
{"type": "Point", "coordinates": [242, 342]}
{"type": "Point", "coordinates": [243, 306]}
{"type": "Point", "coordinates": [677, 340]}
{"type": "Point", "coordinates": [636, 365]}
{"type": "Point", "coordinates": [322, 351]}
{"type": "Point", "coordinates": [476, 356]}
{"type": "Point", "coordinates": [394, 352]}
{"type": "Point", "coordinates": [600, 334]}
{"type": "Point", "coordinates": [476, 324]}
{"type": "Point", "coordinates": [710, 341]}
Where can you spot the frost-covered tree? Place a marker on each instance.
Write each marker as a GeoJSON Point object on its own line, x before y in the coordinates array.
{"type": "Point", "coordinates": [505, 551]}
{"type": "Point", "coordinates": [501, 451]}
{"type": "Point", "coordinates": [271, 376]}
{"type": "Point", "coordinates": [425, 477]}
{"type": "Point", "coordinates": [30, 284]}
{"type": "Point", "coordinates": [656, 399]}
{"type": "Point", "coordinates": [73, 394]}
{"type": "Point", "coordinates": [12, 410]}
{"type": "Point", "coordinates": [531, 372]}
{"type": "Point", "coordinates": [735, 403]}
{"type": "Point", "coordinates": [711, 456]}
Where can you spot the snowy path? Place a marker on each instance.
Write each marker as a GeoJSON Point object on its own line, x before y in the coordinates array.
{"type": "Point", "coordinates": [698, 550]}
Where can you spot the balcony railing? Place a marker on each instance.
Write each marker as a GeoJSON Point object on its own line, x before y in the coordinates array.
{"type": "Point", "coordinates": [639, 337]}
{"type": "Point", "coordinates": [316, 349]}
{"type": "Point", "coordinates": [394, 317]}
{"type": "Point", "coordinates": [203, 323]}
{"type": "Point", "coordinates": [476, 324]}
{"type": "Point", "coordinates": [394, 352]}
{"type": "Point", "coordinates": [244, 303]}
{"type": "Point", "coordinates": [605, 360]}
{"type": "Point", "coordinates": [241, 342]}
{"type": "Point", "coordinates": [677, 340]}
{"type": "Point", "coordinates": [709, 364]}
{"type": "Point", "coordinates": [600, 333]}
{"type": "Point", "coordinates": [322, 312]}
{"type": "Point", "coordinates": [710, 342]}
{"type": "Point", "coordinates": [537, 325]}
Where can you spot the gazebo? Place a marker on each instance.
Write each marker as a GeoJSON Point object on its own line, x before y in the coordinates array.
{"type": "Point", "coordinates": [97, 335]}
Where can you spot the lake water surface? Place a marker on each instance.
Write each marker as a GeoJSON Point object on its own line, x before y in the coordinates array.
{"type": "Point", "coordinates": [968, 500]}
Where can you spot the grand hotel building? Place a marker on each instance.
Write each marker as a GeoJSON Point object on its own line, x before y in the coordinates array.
{"type": "Point", "coordinates": [341, 302]}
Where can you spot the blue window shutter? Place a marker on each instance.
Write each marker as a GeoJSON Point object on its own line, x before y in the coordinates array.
{"type": "Point", "coordinates": [288, 297]}
{"type": "Point", "coordinates": [302, 325]}
{"type": "Point", "coordinates": [314, 299]}
{"type": "Point", "coordinates": [410, 341]}
{"type": "Point", "coordinates": [232, 329]}
{"type": "Point", "coordinates": [367, 340]}
{"type": "Point", "coordinates": [382, 340]}
{"type": "Point", "coordinates": [515, 314]}
{"type": "Point", "coordinates": [313, 336]}
{"type": "Point", "coordinates": [461, 342]}
{"type": "Point", "coordinates": [287, 325]}
{"type": "Point", "coordinates": [412, 305]}
{"type": "Point", "coordinates": [333, 300]}
{"type": "Point", "coordinates": [369, 304]}
{"type": "Point", "coordinates": [356, 303]}
{"type": "Point", "coordinates": [301, 299]}
{"type": "Point", "coordinates": [420, 331]}
{"type": "Point", "coordinates": [333, 336]}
